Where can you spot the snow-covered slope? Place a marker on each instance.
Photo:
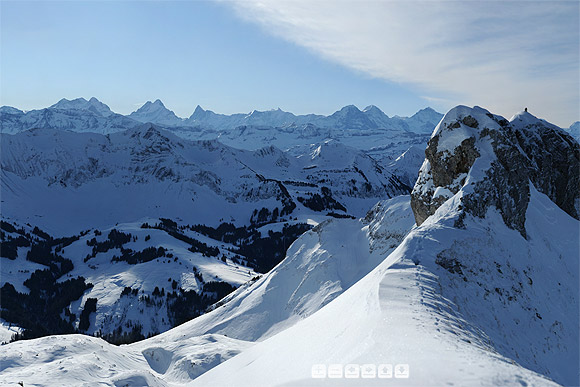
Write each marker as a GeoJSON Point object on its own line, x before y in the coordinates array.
{"type": "Point", "coordinates": [288, 294]}
{"type": "Point", "coordinates": [468, 297]}
{"type": "Point", "coordinates": [406, 166]}
{"type": "Point", "coordinates": [228, 212]}
{"type": "Point", "coordinates": [415, 314]}
{"type": "Point", "coordinates": [89, 180]}
{"type": "Point", "coordinates": [366, 130]}
{"type": "Point", "coordinates": [370, 130]}
{"type": "Point", "coordinates": [318, 267]}
{"type": "Point", "coordinates": [141, 278]}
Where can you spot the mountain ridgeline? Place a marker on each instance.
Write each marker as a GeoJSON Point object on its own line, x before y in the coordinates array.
{"type": "Point", "coordinates": [93, 115]}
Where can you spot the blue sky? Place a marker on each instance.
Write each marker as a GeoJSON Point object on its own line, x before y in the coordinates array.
{"type": "Point", "coordinates": [301, 56]}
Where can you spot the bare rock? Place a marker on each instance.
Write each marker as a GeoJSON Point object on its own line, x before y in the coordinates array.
{"type": "Point", "coordinates": [493, 162]}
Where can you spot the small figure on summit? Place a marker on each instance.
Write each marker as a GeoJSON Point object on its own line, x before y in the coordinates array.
{"type": "Point", "coordinates": [526, 110]}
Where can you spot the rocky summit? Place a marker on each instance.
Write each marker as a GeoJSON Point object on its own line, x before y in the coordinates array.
{"type": "Point", "coordinates": [493, 161]}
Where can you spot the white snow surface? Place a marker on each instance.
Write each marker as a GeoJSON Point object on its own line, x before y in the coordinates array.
{"type": "Point", "coordinates": [411, 311]}
{"type": "Point", "coordinates": [406, 310]}
{"type": "Point", "coordinates": [318, 267]}
{"type": "Point", "coordinates": [289, 293]}
{"type": "Point", "coordinates": [91, 180]}
{"type": "Point", "coordinates": [7, 330]}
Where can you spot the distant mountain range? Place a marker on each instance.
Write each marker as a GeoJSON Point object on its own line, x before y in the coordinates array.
{"type": "Point", "coordinates": [94, 116]}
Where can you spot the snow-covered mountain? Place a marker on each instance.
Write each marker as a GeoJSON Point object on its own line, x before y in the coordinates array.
{"type": "Point", "coordinates": [78, 115]}
{"type": "Point", "coordinates": [136, 279]}
{"type": "Point", "coordinates": [406, 166]}
{"type": "Point", "coordinates": [157, 113]}
{"type": "Point", "coordinates": [347, 118]}
{"type": "Point", "coordinates": [92, 105]}
{"type": "Point", "coordinates": [288, 294]}
{"type": "Point", "coordinates": [144, 200]}
{"type": "Point", "coordinates": [369, 130]}
{"type": "Point", "coordinates": [483, 290]}
{"type": "Point", "coordinates": [89, 179]}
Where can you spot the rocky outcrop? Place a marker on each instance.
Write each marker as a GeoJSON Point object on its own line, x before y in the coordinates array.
{"type": "Point", "coordinates": [493, 161]}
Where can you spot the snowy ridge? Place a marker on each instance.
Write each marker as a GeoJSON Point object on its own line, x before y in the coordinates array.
{"type": "Point", "coordinates": [404, 312]}
{"type": "Point", "coordinates": [78, 116]}
{"type": "Point", "coordinates": [470, 284]}
{"type": "Point", "coordinates": [318, 267]}
{"type": "Point", "coordinates": [400, 298]}
{"type": "Point", "coordinates": [407, 165]}
{"type": "Point", "coordinates": [286, 295]}
{"type": "Point", "coordinates": [349, 117]}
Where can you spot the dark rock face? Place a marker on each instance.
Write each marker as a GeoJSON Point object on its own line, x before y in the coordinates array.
{"type": "Point", "coordinates": [555, 169]}
{"type": "Point", "coordinates": [493, 161]}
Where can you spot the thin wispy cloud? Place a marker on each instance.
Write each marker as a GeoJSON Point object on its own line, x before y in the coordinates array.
{"type": "Point", "coordinates": [500, 55]}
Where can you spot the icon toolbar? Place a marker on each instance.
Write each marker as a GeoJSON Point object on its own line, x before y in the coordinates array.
{"type": "Point", "coordinates": [364, 371]}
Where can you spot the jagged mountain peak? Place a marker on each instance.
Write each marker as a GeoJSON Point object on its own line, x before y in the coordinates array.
{"type": "Point", "coordinates": [428, 109]}
{"type": "Point", "coordinates": [70, 115]}
{"type": "Point", "coordinates": [200, 114]}
{"type": "Point", "coordinates": [148, 106]}
{"type": "Point", "coordinates": [156, 112]}
{"type": "Point", "coordinates": [350, 117]}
